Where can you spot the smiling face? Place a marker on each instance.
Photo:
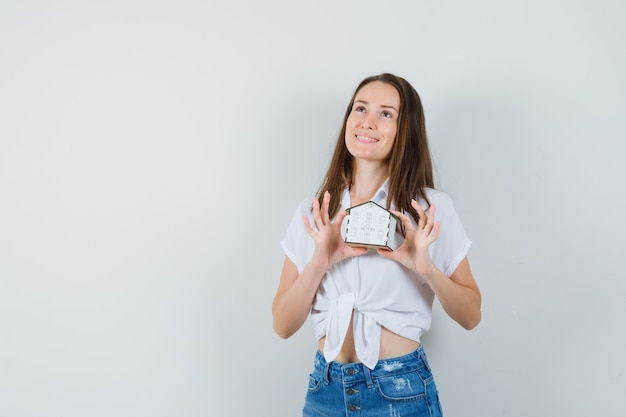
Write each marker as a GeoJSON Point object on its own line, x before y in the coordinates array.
{"type": "Point", "coordinates": [372, 124]}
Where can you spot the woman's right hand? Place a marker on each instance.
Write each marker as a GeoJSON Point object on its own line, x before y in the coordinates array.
{"type": "Point", "coordinates": [330, 247]}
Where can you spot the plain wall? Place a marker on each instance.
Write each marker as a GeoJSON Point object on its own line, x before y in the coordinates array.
{"type": "Point", "coordinates": [152, 154]}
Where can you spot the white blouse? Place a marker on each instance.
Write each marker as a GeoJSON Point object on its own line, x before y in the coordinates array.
{"type": "Point", "coordinates": [381, 292]}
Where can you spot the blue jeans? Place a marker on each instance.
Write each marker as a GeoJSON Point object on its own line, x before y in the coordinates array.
{"type": "Point", "coordinates": [401, 386]}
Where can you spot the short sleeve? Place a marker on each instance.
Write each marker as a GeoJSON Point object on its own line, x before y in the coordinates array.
{"type": "Point", "coordinates": [452, 245]}
{"type": "Point", "coordinates": [297, 244]}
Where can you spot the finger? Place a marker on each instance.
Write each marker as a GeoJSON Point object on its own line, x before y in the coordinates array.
{"type": "Point", "coordinates": [420, 213]}
{"type": "Point", "coordinates": [431, 211]}
{"type": "Point", "coordinates": [357, 251]}
{"type": "Point", "coordinates": [316, 214]}
{"type": "Point", "coordinates": [325, 205]}
{"type": "Point", "coordinates": [307, 226]}
{"type": "Point", "coordinates": [386, 253]}
{"type": "Point", "coordinates": [340, 216]}
{"type": "Point", "coordinates": [406, 220]}
{"type": "Point", "coordinates": [389, 254]}
{"type": "Point", "coordinates": [435, 234]}
{"type": "Point", "coordinates": [430, 218]}
{"type": "Point", "coordinates": [431, 235]}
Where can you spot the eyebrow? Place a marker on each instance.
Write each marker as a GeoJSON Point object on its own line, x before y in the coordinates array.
{"type": "Point", "coordinates": [383, 105]}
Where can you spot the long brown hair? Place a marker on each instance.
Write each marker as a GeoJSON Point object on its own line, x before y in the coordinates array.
{"type": "Point", "coordinates": [410, 163]}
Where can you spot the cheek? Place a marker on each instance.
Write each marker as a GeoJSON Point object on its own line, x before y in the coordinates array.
{"type": "Point", "coordinates": [351, 124]}
{"type": "Point", "coordinates": [391, 133]}
{"type": "Point", "coordinates": [351, 121]}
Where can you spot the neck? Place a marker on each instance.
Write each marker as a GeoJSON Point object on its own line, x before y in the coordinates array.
{"type": "Point", "coordinates": [366, 181]}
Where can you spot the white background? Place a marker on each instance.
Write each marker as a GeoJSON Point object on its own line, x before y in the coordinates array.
{"type": "Point", "coordinates": [152, 154]}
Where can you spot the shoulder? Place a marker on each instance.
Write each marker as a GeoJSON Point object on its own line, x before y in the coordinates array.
{"type": "Point", "coordinates": [452, 245]}
{"type": "Point", "coordinates": [305, 206]}
{"type": "Point", "coordinates": [438, 198]}
{"type": "Point", "coordinates": [445, 209]}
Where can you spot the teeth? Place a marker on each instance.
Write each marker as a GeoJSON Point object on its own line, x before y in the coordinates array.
{"type": "Point", "coordinates": [366, 139]}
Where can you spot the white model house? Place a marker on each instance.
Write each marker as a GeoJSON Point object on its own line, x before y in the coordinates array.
{"type": "Point", "coordinates": [372, 226]}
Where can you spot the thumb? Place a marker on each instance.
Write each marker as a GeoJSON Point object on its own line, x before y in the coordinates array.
{"type": "Point", "coordinates": [340, 216]}
{"type": "Point", "coordinates": [389, 254]}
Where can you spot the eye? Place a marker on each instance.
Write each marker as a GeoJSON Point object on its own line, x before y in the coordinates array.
{"type": "Point", "coordinates": [387, 114]}
{"type": "Point", "coordinates": [359, 108]}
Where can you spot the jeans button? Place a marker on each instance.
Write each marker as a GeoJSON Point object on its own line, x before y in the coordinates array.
{"type": "Point", "coordinates": [353, 407]}
{"type": "Point", "coordinates": [351, 391]}
{"type": "Point", "coordinates": [350, 371]}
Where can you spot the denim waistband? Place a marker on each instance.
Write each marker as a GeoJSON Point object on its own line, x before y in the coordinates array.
{"type": "Point", "coordinates": [357, 372]}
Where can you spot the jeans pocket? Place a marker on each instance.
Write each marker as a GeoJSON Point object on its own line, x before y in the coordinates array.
{"type": "Point", "coordinates": [315, 382]}
{"type": "Point", "coordinates": [407, 386]}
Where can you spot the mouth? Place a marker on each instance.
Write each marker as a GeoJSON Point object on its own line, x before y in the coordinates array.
{"type": "Point", "coordinates": [365, 139]}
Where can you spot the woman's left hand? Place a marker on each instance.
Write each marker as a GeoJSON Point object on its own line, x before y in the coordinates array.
{"type": "Point", "coordinates": [413, 253]}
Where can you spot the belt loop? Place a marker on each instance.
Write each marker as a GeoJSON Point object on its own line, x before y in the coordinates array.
{"type": "Point", "coordinates": [368, 377]}
{"type": "Point", "coordinates": [326, 372]}
{"type": "Point", "coordinates": [422, 355]}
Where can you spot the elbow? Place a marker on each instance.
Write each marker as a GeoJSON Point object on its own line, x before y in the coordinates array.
{"type": "Point", "coordinates": [280, 327]}
{"type": "Point", "coordinates": [473, 314]}
{"type": "Point", "coordinates": [283, 336]}
{"type": "Point", "coordinates": [471, 322]}
{"type": "Point", "coordinates": [282, 331]}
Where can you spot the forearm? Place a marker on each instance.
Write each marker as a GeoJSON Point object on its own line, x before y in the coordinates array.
{"type": "Point", "coordinates": [292, 307]}
{"type": "Point", "coordinates": [460, 302]}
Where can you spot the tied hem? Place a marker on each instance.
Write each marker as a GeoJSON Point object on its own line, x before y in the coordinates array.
{"type": "Point", "coordinates": [337, 322]}
{"type": "Point", "coordinates": [366, 331]}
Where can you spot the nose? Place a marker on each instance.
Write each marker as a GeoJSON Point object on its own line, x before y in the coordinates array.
{"type": "Point", "coordinates": [368, 121]}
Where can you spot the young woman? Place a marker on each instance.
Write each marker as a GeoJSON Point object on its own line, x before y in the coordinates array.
{"type": "Point", "coordinates": [371, 307]}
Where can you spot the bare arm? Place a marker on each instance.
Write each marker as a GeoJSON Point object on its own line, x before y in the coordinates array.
{"type": "Point", "coordinates": [459, 295]}
{"type": "Point", "coordinates": [294, 297]}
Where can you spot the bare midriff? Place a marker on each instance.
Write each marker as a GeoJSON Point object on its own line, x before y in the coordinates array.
{"type": "Point", "coordinates": [391, 345]}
